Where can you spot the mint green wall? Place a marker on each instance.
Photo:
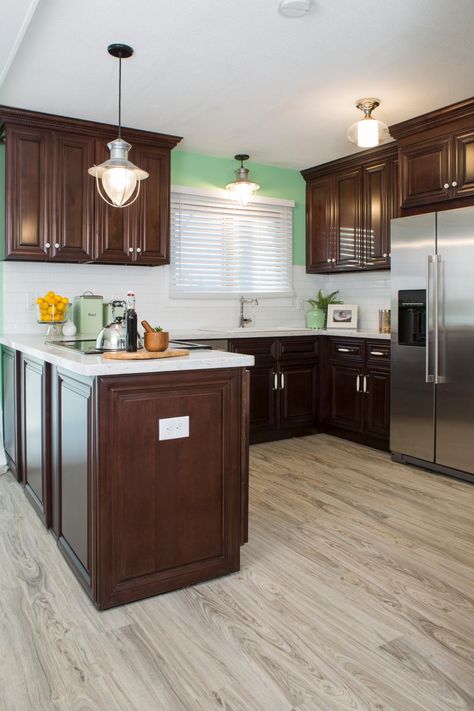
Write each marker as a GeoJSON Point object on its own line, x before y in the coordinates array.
{"type": "Point", "coordinates": [200, 171]}
{"type": "Point", "coordinates": [2, 226]}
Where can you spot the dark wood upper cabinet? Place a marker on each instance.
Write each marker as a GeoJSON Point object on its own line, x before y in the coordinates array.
{"type": "Point", "coordinates": [349, 207]}
{"type": "Point", "coordinates": [425, 170]}
{"type": "Point", "coordinates": [464, 169]}
{"type": "Point", "coordinates": [152, 234]}
{"type": "Point", "coordinates": [28, 195]}
{"type": "Point", "coordinates": [436, 152]}
{"type": "Point", "coordinates": [319, 225]}
{"type": "Point", "coordinates": [73, 198]}
{"type": "Point", "coordinates": [377, 181]}
{"type": "Point", "coordinates": [347, 249]}
{"type": "Point", "coordinates": [54, 212]}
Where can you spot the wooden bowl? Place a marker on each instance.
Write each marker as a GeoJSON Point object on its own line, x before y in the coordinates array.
{"type": "Point", "coordinates": [157, 341]}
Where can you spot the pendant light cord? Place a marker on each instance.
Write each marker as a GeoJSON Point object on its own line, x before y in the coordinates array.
{"type": "Point", "coordinates": [120, 98]}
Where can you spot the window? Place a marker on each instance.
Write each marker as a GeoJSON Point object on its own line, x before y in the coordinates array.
{"type": "Point", "coordinates": [218, 247]}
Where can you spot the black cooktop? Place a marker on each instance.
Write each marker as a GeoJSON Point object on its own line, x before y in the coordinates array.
{"type": "Point", "coordinates": [87, 346]}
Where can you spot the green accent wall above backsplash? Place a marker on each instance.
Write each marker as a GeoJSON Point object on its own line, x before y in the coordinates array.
{"type": "Point", "coordinates": [199, 171]}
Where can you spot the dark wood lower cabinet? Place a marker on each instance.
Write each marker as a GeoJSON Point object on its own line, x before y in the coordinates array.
{"type": "Point", "coordinates": [35, 434]}
{"type": "Point", "coordinates": [356, 391]}
{"type": "Point", "coordinates": [11, 409]}
{"type": "Point", "coordinates": [345, 407]}
{"type": "Point", "coordinates": [168, 511]}
{"type": "Point", "coordinates": [73, 428]}
{"type": "Point", "coordinates": [299, 390]}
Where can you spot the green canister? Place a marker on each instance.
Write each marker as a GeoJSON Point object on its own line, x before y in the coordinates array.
{"type": "Point", "coordinates": [88, 315]}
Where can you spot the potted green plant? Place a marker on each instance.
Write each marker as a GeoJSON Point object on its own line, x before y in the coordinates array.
{"type": "Point", "coordinates": [317, 316]}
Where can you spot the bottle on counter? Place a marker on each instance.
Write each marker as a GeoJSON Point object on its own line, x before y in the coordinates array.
{"type": "Point", "coordinates": [131, 323]}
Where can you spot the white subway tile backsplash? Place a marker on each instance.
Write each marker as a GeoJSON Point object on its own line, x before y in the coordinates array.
{"type": "Point", "coordinates": [370, 290]}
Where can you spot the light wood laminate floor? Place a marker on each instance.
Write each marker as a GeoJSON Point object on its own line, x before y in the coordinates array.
{"type": "Point", "coordinates": [356, 592]}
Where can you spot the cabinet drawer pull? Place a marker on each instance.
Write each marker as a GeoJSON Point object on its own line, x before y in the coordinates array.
{"type": "Point", "coordinates": [365, 385]}
{"type": "Point", "coordinates": [377, 353]}
{"type": "Point", "coordinates": [358, 384]}
{"type": "Point", "coordinates": [345, 350]}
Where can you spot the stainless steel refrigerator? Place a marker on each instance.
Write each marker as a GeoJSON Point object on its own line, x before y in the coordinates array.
{"type": "Point", "coordinates": [432, 380]}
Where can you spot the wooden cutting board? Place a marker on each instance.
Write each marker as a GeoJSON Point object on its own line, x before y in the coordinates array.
{"type": "Point", "coordinates": [144, 355]}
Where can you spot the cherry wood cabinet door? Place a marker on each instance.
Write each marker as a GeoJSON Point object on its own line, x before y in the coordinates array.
{"type": "Point", "coordinates": [115, 227]}
{"type": "Point", "coordinates": [377, 181]}
{"type": "Point", "coordinates": [263, 393]}
{"type": "Point", "coordinates": [347, 247]}
{"type": "Point", "coordinates": [73, 196]}
{"type": "Point", "coordinates": [298, 394]}
{"type": "Point", "coordinates": [319, 214]}
{"type": "Point", "coordinates": [169, 511]}
{"type": "Point", "coordinates": [28, 193]}
{"type": "Point", "coordinates": [11, 409]}
{"type": "Point", "coordinates": [464, 164]}
{"type": "Point", "coordinates": [35, 434]}
{"type": "Point", "coordinates": [152, 239]}
{"type": "Point", "coordinates": [345, 408]}
{"type": "Point", "coordinates": [377, 403]}
{"type": "Point", "coordinates": [425, 172]}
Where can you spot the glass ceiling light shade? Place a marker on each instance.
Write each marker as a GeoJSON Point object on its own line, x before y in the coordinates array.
{"type": "Point", "coordinates": [117, 178]}
{"type": "Point", "coordinates": [368, 132]}
{"type": "Point", "coordinates": [242, 189]}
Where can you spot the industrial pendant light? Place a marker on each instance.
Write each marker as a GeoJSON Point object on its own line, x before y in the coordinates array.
{"type": "Point", "coordinates": [242, 188]}
{"type": "Point", "coordinates": [120, 178]}
{"type": "Point", "coordinates": [368, 132]}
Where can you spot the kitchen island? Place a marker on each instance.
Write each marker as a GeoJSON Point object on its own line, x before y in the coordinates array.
{"type": "Point", "coordinates": [138, 468]}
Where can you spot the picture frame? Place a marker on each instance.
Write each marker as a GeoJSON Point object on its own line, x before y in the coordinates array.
{"type": "Point", "coordinates": [342, 316]}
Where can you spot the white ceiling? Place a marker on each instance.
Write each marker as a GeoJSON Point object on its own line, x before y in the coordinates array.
{"type": "Point", "coordinates": [234, 75]}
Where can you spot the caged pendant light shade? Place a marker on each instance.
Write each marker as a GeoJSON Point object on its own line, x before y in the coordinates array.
{"type": "Point", "coordinates": [242, 189]}
{"type": "Point", "coordinates": [117, 178]}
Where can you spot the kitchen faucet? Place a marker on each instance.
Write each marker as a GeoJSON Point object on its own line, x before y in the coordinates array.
{"type": "Point", "coordinates": [245, 321]}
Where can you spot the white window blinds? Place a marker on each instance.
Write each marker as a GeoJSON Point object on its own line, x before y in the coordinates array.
{"type": "Point", "coordinates": [218, 247]}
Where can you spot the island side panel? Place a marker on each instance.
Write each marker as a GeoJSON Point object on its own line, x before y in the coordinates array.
{"type": "Point", "coordinates": [168, 511]}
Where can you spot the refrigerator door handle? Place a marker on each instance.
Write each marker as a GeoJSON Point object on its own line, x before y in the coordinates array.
{"type": "Point", "coordinates": [429, 376]}
{"type": "Point", "coordinates": [437, 279]}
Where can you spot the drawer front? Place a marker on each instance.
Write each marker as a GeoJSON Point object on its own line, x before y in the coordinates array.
{"type": "Point", "coordinates": [263, 349]}
{"type": "Point", "coordinates": [378, 353]}
{"type": "Point", "coordinates": [298, 348]}
{"type": "Point", "coordinates": [346, 349]}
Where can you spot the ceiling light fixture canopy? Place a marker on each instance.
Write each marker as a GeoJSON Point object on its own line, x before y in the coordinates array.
{"type": "Point", "coordinates": [120, 178]}
{"type": "Point", "coordinates": [242, 189]}
{"type": "Point", "coordinates": [368, 132]}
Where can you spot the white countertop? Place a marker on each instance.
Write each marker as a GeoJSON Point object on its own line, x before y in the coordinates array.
{"type": "Point", "coordinates": [96, 365]}
{"type": "Point", "coordinates": [275, 332]}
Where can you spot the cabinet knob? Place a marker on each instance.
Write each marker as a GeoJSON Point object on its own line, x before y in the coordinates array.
{"type": "Point", "coordinates": [454, 183]}
{"type": "Point", "coordinates": [130, 249]}
{"type": "Point", "coordinates": [139, 249]}
{"type": "Point", "coordinates": [47, 245]}
{"type": "Point", "coordinates": [385, 255]}
{"type": "Point", "coordinates": [446, 186]}
{"type": "Point", "coordinates": [56, 245]}
{"type": "Point", "coordinates": [333, 260]}
{"type": "Point", "coordinates": [328, 261]}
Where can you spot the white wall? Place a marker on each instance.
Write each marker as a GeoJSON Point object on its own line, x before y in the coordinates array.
{"type": "Point", "coordinates": [22, 281]}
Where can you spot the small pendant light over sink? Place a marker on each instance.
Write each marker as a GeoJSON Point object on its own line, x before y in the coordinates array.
{"type": "Point", "coordinates": [242, 189]}
{"type": "Point", "coordinates": [120, 178]}
{"type": "Point", "coordinates": [368, 132]}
